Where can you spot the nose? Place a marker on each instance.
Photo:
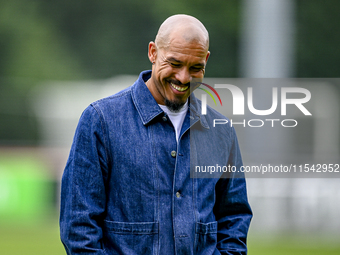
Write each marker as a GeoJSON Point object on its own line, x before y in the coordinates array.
{"type": "Point", "coordinates": [183, 75]}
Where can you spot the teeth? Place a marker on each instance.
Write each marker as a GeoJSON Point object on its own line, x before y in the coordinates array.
{"type": "Point", "coordinates": [181, 89]}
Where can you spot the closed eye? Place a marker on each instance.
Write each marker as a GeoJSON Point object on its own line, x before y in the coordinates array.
{"type": "Point", "coordinates": [175, 65]}
{"type": "Point", "coordinates": [197, 68]}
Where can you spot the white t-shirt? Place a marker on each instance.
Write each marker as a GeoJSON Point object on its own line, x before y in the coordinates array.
{"type": "Point", "coordinates": [176, 118]}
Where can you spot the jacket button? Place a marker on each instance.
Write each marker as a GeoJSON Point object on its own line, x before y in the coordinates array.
{"type": "Point", "coordinates": [178, 194]}
{"type": "Point", "coordinates": [173, 154]}
{"type": "Point", "coordinates": [164, 118]}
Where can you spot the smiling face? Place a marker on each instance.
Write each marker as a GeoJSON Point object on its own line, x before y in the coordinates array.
{"type": "Point", "coordinates": [175, 65]}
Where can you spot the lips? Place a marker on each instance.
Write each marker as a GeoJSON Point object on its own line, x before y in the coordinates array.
{"type": "Point", "coordinates": [179, 88]}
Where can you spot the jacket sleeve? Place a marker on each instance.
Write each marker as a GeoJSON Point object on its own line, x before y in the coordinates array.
{"type": "Point", "coordinates": [232, 210]}
{"type": "Point", "coordinates": [83, 187]}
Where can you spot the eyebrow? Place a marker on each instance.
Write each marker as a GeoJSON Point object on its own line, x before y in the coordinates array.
{"type": "Point", "coordinates": [172, 59]}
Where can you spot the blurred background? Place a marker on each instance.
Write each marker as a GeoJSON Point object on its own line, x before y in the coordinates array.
{"type": "Point", "coordinates": [56, 57]}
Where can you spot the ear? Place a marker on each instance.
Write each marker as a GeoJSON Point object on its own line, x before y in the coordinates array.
{"type": "Point", "coordinates": [152, 53]}
{"type": "Point", "coordinates": [206, 58]}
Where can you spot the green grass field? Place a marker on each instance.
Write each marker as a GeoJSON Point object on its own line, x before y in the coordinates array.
{"type": "Point", "coordinates": [42, 238]}
{"type": "Point", "coordinates": [292, 245]}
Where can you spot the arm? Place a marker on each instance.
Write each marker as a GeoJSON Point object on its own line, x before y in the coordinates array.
{"type": "Point", "coordinates": [231, 209]}
{"type": "Point", "coordinates": [83, 194]}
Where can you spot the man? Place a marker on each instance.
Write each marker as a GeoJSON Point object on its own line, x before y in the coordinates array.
{"type": "Point", "coordinates": [127, 188]}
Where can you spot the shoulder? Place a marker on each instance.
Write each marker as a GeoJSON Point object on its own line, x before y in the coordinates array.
{"type": "Point", "coordinates": [98, 112]}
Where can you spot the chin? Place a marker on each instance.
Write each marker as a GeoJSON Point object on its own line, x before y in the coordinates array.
{"type": "Point", "coordinates": [174, 105]}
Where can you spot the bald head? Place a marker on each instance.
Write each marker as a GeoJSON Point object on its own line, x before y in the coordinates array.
{"type": "Point", "coordinates": [188, 27]}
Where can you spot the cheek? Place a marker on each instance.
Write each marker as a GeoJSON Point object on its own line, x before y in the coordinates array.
{"type": "Point", "coordinates": [163, 71]}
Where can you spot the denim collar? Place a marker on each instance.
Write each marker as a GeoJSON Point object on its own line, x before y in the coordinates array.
{"type": "Point", "coordinates": [194, 108]}
{"type": "Point", "coordinates": [148, 108]}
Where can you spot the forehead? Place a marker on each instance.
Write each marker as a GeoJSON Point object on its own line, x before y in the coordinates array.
{"type": "Point", "coordinates": [185, 50]}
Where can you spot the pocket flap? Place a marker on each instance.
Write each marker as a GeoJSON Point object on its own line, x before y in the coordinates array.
{"type": "Point", "coordinates": [132, 228]}
{"type": "Point", "coordinates": [206, 228]}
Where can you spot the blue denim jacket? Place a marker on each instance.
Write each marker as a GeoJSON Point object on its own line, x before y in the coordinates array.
{"type": "Point", "coordinates": [126, 188]}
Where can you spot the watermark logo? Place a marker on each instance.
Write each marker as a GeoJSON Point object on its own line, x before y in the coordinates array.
{"type": "Point", "coordinates": [204, 97]}
{"type": "Point", "coordinates": [301, 95]}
